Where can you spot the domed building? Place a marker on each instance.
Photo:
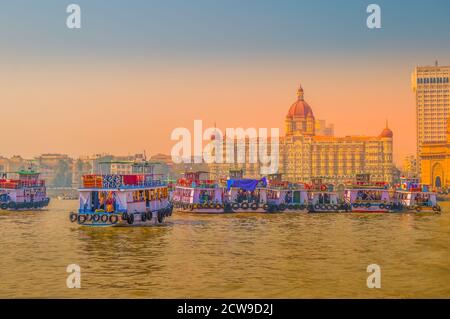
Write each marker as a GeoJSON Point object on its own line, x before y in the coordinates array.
{"type": "Point", "coordinates": [310, 150]}
{"type": "Point", "coordinates": [306, 153]}
{"type": "Point", "coordinates": [300, 117]}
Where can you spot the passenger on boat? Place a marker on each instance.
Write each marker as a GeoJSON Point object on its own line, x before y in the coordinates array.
{"type": "Point", "coordinates": [288, 197]}
{"type": "Point", "coordinates": [324, 198]}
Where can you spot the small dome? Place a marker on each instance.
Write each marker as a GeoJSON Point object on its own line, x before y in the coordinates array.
{"type": "Point", "coordinates": [387, 133]}
{"type": "Point", "coordinates": [300, 108]}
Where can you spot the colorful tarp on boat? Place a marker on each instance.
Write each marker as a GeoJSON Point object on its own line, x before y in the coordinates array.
{"type": "Point", "coordinates": [246, 184]}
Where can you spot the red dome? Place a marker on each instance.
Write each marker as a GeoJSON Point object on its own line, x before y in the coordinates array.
{"type": "Point", "coordinates": [387, 132]}
{"type": "Point", "coordinates": [300, 108]}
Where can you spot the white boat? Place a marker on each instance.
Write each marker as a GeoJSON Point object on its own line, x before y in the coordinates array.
{"type": "Point", "coordinates": [365, 196]}
{"type": "Point", "coordinates": [196, 193]}
{"type": "Point", "coordinates": [24, 192]}
{"type": "Point", "coordinates": [283, 196]}
{"type": "Point", "coordinates": [122, 200]}
{"type": "Point", "coordinates": [323, 199]}
{"type": "Point", "coordinates": [416, 197]}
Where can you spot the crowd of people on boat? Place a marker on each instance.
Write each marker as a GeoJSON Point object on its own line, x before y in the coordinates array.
{"type": "Point", "coordinates": [324, 198]}
{"type": "Point", "coordinates": [205, 197]}
{"type": "Point", "coordinates": [368, 195]}
{"type": "Point", "coordinates": [423, 199]}
{"type": "Point", "coordinates": [248, 196]}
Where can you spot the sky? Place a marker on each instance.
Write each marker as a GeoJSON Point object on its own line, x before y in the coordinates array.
{"type": "Point", "coordinates": [136, 70]}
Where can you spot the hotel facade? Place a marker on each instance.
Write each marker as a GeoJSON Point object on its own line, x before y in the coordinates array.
{"type": "Point", "coordinates": [305, 153]}
{"type": "Point", "coordinates": [432, 92]}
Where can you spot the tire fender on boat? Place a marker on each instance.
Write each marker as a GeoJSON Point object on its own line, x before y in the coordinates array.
{"type": "Point", "coordinates": [130, 219]}
{"type": "Point", "coordinates": [113, 219]}
{"type": "Point", "coordinates": [81, 219]}
{"type": "Point", "coordinates": [160, 217]}
{"type": "Point", "coordinates": [104, 218]}
{"type": "Point", "coordinates": [73, 217]}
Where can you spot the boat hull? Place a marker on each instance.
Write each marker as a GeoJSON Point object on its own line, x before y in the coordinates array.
{"type": "Point", "coordinates": [13, 206]}
{"type": "Point", "coordinates": [103, 219]}
{"type": "Point", "coordinates": [423, 209]}
{"type": "Point", "coordinates": [236, 211]}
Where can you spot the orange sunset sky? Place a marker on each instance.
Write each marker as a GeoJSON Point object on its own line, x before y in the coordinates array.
{"type": "Point", "coordinates": [129, 108]}
{"type": "Point", "coordinates": [129, 76]}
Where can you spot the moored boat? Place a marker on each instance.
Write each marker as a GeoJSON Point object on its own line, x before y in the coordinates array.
{"type": "Point", "coordinates": [283, 196]}
{"type": "Point", "coordinates": [323, 199]}
{"type": "Point", "coordinates": [416, 197]}
{"type": "Point", "coordinates": [365, 196]}
{"type": "Point", "coordinates": [26, 192]}
{"type": "Point", "coordinates": [196, 193]}
{"type": "Point", "coordinates": [122, 200]}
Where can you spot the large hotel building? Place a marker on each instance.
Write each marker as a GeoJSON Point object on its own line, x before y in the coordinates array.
{"type": "Point", "coordinates": [307, 152]}
{"type": "Point", "coordinates": [432, 90]}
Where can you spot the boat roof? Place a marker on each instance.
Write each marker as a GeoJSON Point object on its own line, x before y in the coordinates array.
{"type": "Point", "coordinates": [413, 191]}
{"type": "Point", "coordinates": [324, 192]}
{"type": "Point", "coordinates": [120, 189]}
{"type": "Point", "coordinates": [366, 189]}
{"type": "Point", "coordinates": [196, 187]}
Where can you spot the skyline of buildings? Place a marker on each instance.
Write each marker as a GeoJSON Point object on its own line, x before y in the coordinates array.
{"type": "Point", "coordinates": [310, 148]}
{"type": "Point", "coordinates": [305, 153]}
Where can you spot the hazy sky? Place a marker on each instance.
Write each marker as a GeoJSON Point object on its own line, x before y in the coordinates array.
{"type": "Point", "coordinates": [138, 69]}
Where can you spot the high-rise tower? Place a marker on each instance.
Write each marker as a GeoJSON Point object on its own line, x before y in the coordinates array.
{"type": "Point", "coordinates": [432, 89]}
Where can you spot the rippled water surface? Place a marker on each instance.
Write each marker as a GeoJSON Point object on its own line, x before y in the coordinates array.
{"type": "Point", "coordinates": [274, 256]}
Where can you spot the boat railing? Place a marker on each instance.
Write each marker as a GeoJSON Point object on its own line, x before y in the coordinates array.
{"type": "Point", "coordinates": [90, 211]}
{"type": "Point", "coordinates": [125, 186]}
{"type": "Point", "coordinates": [359, 201]}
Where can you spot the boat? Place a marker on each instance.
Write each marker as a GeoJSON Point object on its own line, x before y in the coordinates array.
{"type": "Point", "coordinates": [416, 197]}
{"type": "Point", "coordinates": [195, 192]}
{"type": "Point", "coordinates": [24, 192]}
{"type": "Point", "coordinates": [122, 200]}
{"type": "Point", "coordinates": [283, 196]}
{"type": "Point", "coordinates": [364, 196]}
{"type": "Point", "coordinates": [323, 199]}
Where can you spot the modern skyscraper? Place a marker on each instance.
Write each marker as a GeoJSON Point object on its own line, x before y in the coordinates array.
{"type": "Point", "coordinates": [432, 89]}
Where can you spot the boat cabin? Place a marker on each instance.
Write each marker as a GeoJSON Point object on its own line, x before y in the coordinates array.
{"type": "Point", "coordinates": [122, 193]}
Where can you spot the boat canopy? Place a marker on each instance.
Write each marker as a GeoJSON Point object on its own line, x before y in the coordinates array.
{"type": "Point", "coordinates": [246, 184]}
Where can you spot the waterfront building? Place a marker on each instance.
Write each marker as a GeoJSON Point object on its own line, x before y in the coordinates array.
{"type": "Point", "coordinates": [13, 164]}
{"type": "Point", "coordinates": [304, 154]}
{"type": "Point", "coordinates": [323, 129]}
{"type": "Point", "coordinates": [435, 162]}
{"type": "Point", "coordinates": [307, 155]}
{"type": "Point", "coordinates": [432, 91]}
{"type": "Point", "coordinates": [410, 168]}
